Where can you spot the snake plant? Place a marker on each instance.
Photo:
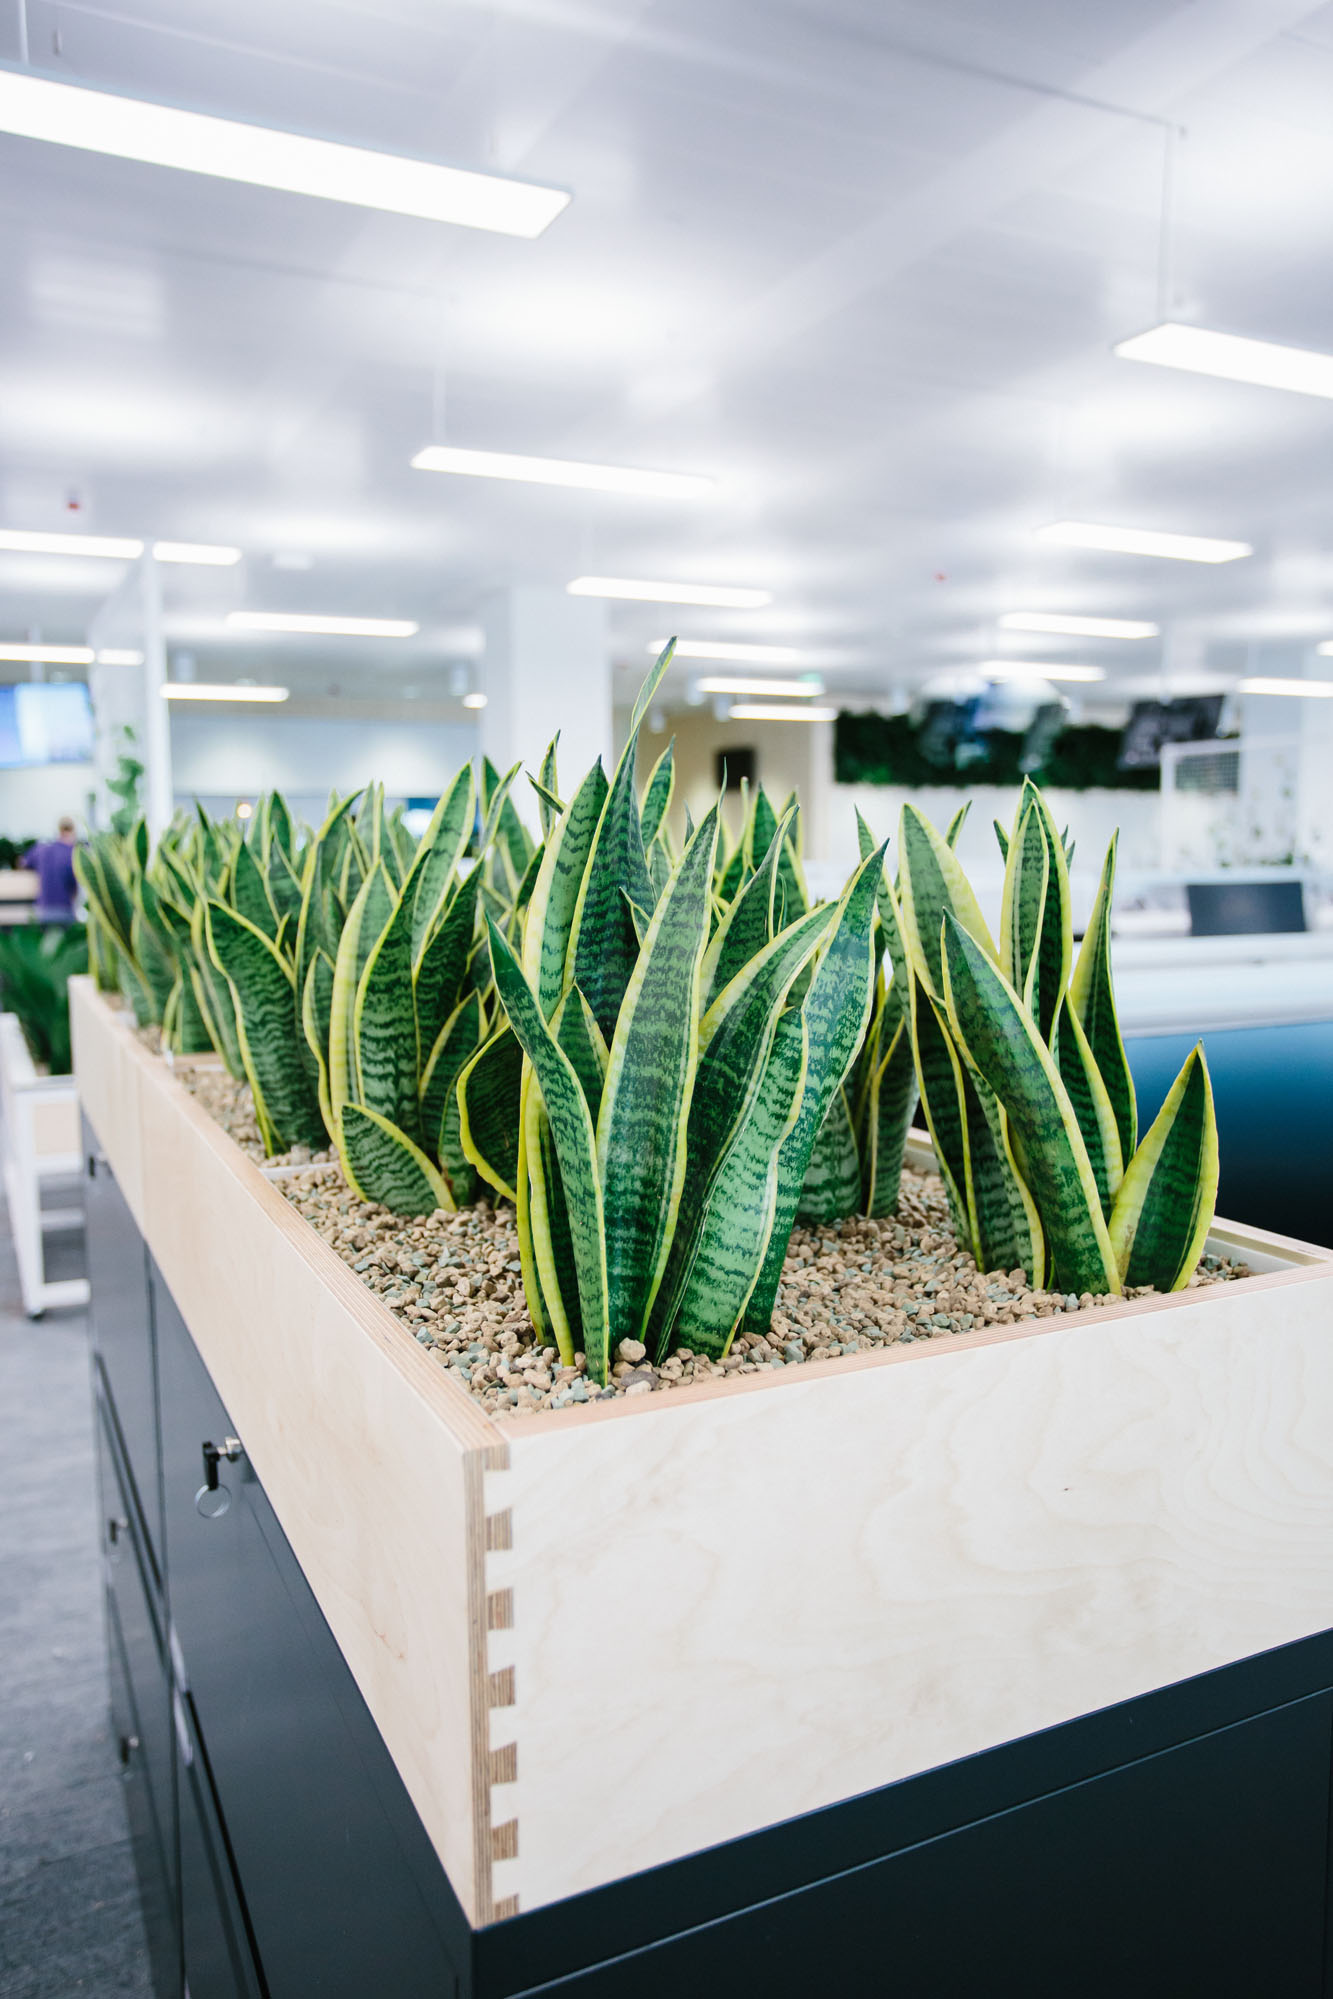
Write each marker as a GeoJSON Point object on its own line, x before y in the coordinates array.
{"type": "Point", "coordinates": [1024, 1079]}
{"type": "Point", "coordinates": [677, 1064]}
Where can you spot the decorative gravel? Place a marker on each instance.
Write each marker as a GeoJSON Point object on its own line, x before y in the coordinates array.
{"type": "Point", "coordinates": [233, 1106]}
{"type": "Point", "coordinates": [455, 1282]}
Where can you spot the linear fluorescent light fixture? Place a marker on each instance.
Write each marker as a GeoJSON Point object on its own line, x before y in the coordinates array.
{"type": "Point", "coordinates": [49, 655]}
{"type": "Point", "coordinates": [714, 596]}
{"type": "Point", "coordinates": [1326, 649]}
{"type": "Point", "coordinates": [804, 689]}
{"type": "Point", "coordinates": [562, 472]}
{"type": "Point", "coordinates": [750, 655]}
{"type": "Point", "coordinates": [474, 700]}
{"type": "Point", "coordinates": [1234, 358]}
{"type": "Point", "coordinates": [1143, 541]}
{"type": "Point", "coordinates": [765, 711]}
{"type": "Point", "coordinates": [117, 549]}
{"type": "Point", "coordinates": [119, 656]}
{"type": "Point", "coordinates": [160, 135]}
{"type": "Point", "coordinates": [203, 552]}
{"type": "Point", "coordinates": [1078, 628]}
{"type": "Point", "coordinates": [1299, 689]}
{"type": "Point", "coordinates": [294, 621]}
{"type": "Point", "coordinates": [1024, 669]}
{"type": "Point", "coordinates": [219, 690]}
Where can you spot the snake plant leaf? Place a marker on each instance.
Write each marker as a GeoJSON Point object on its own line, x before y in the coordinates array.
{"type": "Point", "coordinates": [552, 1233]}
{"type": "Point", "coordinates": [747, 924]}
{"type": "Point", "coordinates": [1092, 997]}
{"type": "Point", "coordinates": [283, 887]}
{"type": "Point", "coordinates": [550, 917]}
{"type": "Point", "coordinates": [386, 1048]}
{"type": "Point", "coordinates": [603, 948]}
{"type": "Point", "coordinates": [155, 966]}
{"type": "Point", "coordinates": [889, 915]}
{"type": "Point", "coordinates": [316, 1010]}
{"type": "Point", "coordinates": [735, 1036]}
{"type": "Point", "coordinates": [1036, 922]}
{"type": "Point", "coordinates": [732, 1247]}
{"type": "Point", "coordinates": [1164, 1209]}
{"type": "Point", "coordinates": [645, 1106]}
{"type": "Point", "coordinates": [931, 882]}
{"type": "Point", "coordinates": [220, 1023]}
{"type": "Point", "coordinates": [957, 823]}
{"type": "Point", "coordinates": [134, 987]}
{"type": "Point", "coordinates": [760, 827]}
{"type": "Point", "coordinates": [286, 1108]}
{"type": "Point", "coordinates": [944, 1087]}
{"type": "Point", "coordinates": [248, 893]}
{"type": "Point", "coordinates": [575, 1028]}
{"type": "Point", "coordinates": [640, 918]}
{"type": "Point", "coordinates": [657, 793]}
{"type": "Point", "coordinates": [575, 1149]}
{"type": "Point", "coordinates": [1006, 1227]}
{"type": "Point", "coordinates": [190, 1033]}
{"type": "Point", "coordinates": [546, 784]}
{"type": "Point", "coordinates": [1002, 839]}
{"type": "Point", "coordinates": [1002, 1045]}
{"type": "Point", "coordinates": [382, 1164]}
{"type": "Point", "coordinates": [732, 877]}
{"type": "Point", "coordinates": [891, 1102]}
{"type": "Point", "coordinates": [1092, 1104]}
{"type": "Point", "coordinates": [538, 1309]}
{"type": "Point", "coordinates": [832, 1184]}
{"type": "Point", "coordinates": [836, 1008]}
{"type": "Point", "coordinates": [436, 976]}
{"type": "Point", "coordinates": [366, 919]}
{"type": "Point", "coordinates": [430, 880]}
{"type": "Point", "coordinates": [455, 1044]}
{"type": "Point", "coordinates": [659, 864]}
{"type": "Point", "coordinates": [489, 1090]}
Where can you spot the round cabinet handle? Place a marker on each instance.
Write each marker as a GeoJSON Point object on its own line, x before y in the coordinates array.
{"type": "Point", "coordinates": [213, 1499]}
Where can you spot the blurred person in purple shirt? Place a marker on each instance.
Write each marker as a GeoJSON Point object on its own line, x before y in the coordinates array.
{"type": "Point", "coordinates": [53, 863]}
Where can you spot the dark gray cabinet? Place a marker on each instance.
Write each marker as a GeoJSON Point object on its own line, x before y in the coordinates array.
{"type": "Point", "coordinates": [1177, 1843]}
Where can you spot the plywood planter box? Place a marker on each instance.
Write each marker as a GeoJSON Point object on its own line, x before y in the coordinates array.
{"type": "Point", "coordinates": [598, 1639]}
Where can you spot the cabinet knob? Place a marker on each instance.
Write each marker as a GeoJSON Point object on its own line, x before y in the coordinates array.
{"type": "Point", "coordinates": [115, 1529]}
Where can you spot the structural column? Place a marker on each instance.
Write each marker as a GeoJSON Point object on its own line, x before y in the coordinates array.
{"type": "Point", "coordinates": [546, 666]}
{"type": "Point", "coordinates": [126, 683]}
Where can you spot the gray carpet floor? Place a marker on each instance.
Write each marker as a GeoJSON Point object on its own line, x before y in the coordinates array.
{"type": "Point", "coordinates": [69, 1908]}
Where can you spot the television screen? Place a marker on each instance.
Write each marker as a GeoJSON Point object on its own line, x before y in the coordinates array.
{"type": "Point", "coordinates": [1193, 719]}
{"type": "Point", "coordinates": [45, 724]}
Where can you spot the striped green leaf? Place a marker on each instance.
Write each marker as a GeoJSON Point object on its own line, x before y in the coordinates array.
{"type": "Point", "coordinates": [547, 785]}
{"type": "Point", "coordinates": [248, 892]}
{"type": "Point", "coordinates": [836, 1007]}
{"type": "Point", "coordinates": [957, 823]}
{"type": "Point", "coordinates": [552, 1231]}
{"type": "Point", "coordinates": [436, 973]}
{"type": "Point", "coordinates": [316, 1009]}
{"type": "Point", "coordinates": [891, 1103]}
{"type": "Point", "coordinates": [603, 948]}
{"type": "Point", "coordinates": [430, 881]}
{"type": "Point", "coordinates": [1006, 1228]}
{"type": "Point", "coordinates": [575, 1028]}
{"type": "Point", "coordinates": [1164, 1209]}
{"type": "Point", "coordinates": [832, 1184]}
{"type": "Point", "coordinates": [575, 1148]}
{"type": "Point", "coordinates": [931, 882]}
{"type": "Point", "coordinates": [732, 1247]}
{"type": "Point", "coordinates": [1002, 839]}
{"type": "Point", "coordinates": [657, 793]}
{"type": "Point", "coordinates": [455, 1044]}
{"type": "Point", "coordinates": [387, 1056]}
{"type": "Point", "coordinates": [551, 910]}
{"type": "Point", "coordinates": [286, 1108]}
{"type": "Point", "coordinates": [939, 1075]}
{"type": "Point", "coordinates": [541, 1314]}
{"type": "Point", "coordinates": [649, 1079]}
{"type": "Point", "coordinates": [488, 1101]}
{"type": "Point", "coordinates": [747, 924]}
{"type": "Point", "coordinates": [1092, 1105]}
{"type": "Point", "coordinates": [993, 1029]}
{"type": "Point", "coordinates": [366, 920]}
{"type": "Point", "coordinates": [1092, 997]}
{"type": "Point", "coordinates": [1036, 923]}
{"type": "Point", "coordinates": [214, 995]}
{"type": "Point", "coordinates": [382, 1164]}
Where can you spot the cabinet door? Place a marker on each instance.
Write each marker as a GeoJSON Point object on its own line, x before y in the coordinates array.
{"type": "Point", "coordinates": [139, 1610]}
{"type": "Point", "coordinates": [157, 1889]}
{"type": "Point", "coordinates": [328, 1852]}
{"type": "Point", "coordinates": [1201, 1870]}
{"type": "Point", "coordinates": [218, 1960]}
{"type": "Point", "coordinates": [123, 1337]}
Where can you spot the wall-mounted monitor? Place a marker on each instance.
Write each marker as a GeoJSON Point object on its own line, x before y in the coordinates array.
{"type": "Point", "coordinates": [1192, 719]}
{"type": "Point", "coordinates": [44, 723]}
